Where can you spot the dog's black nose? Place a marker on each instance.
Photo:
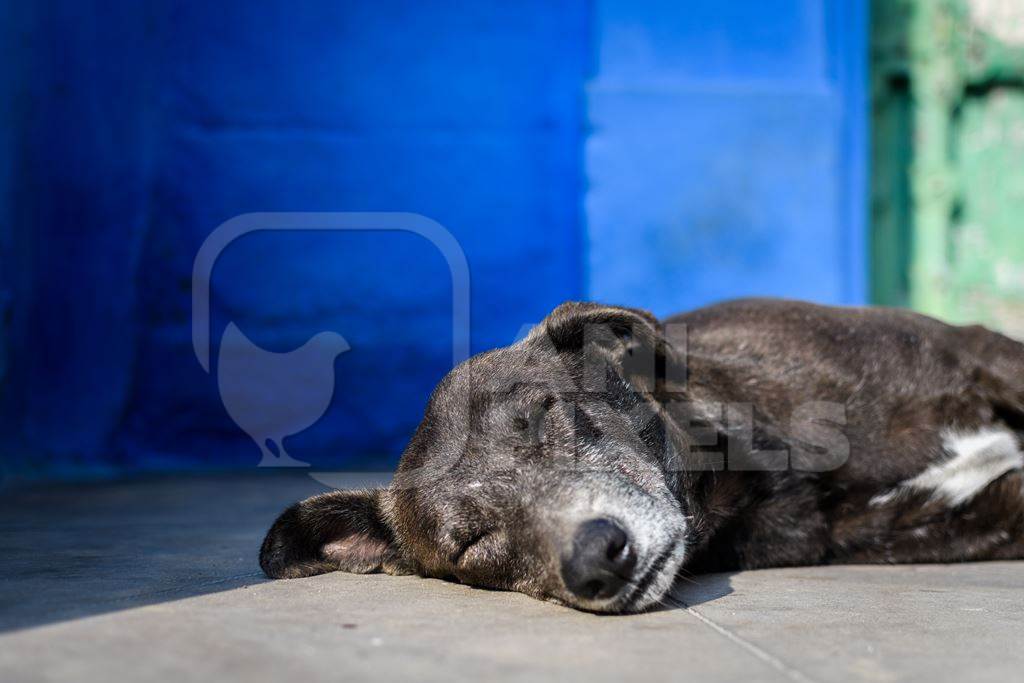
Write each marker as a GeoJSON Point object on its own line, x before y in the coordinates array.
{"type": "Point", "coordinates": [601, 561]}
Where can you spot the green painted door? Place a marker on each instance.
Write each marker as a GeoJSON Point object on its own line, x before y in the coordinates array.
{"type": "Point", "coordinates": [948, 159]}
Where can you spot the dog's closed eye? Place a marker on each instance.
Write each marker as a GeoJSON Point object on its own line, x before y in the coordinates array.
{"type": "Point", "coordinates": [532, 422]}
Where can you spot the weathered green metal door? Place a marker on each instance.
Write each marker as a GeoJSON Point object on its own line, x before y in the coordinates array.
{"type": "Point", "coordinates": [948, 146]}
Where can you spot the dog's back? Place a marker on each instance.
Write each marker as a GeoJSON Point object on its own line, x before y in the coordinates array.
{"type": "Point", "coordinates": [932, 414]}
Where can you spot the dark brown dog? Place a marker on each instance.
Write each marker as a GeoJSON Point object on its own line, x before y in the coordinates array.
{"type": "Point", "coordinates": [592, 461]}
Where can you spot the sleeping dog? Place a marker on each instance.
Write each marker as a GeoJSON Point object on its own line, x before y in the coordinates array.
{"type": "Point", "coordinates": [605, 453]}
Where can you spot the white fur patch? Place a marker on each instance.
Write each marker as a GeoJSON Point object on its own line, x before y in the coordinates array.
{"type": "Point", "coordinates": [976, 460]}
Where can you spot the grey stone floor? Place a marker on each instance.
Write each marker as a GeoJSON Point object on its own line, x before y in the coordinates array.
{"type": "Point", "coordinates": [157, 580]}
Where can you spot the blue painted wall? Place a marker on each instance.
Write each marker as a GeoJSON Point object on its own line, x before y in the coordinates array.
{"type": "Point", "coordinates": [726, 157]}
{"type": "Point", "coordinates": [664, 156]}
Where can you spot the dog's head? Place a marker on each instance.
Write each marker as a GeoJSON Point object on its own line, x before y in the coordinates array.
{"type": "Point", "coordinates": [546, 467]}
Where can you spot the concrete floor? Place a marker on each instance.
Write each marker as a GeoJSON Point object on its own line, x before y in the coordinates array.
{"type": "Point", "coordinates": [157, 581]}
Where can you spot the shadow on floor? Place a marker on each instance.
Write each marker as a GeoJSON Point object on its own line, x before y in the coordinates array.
{"type": "Point", "coordinates": [697, 590]}
{"type": "Point", "coordinates": [72, 551]}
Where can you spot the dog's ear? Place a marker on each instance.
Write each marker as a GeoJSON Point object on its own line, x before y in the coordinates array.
{"type": "Point", "coordinates": [575, 323]}
{"type": "Point", "coordinates": [340, 530]}
{"type": "Point", "coordinates": [630, 339]}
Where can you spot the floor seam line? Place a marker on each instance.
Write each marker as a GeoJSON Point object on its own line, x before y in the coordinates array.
{"type": "Point", "coordinates": [750, 647]}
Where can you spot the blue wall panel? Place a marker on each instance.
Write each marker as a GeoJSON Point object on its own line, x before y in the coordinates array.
{"type": "Point", "coordinates": [658, 154]}
{"type": "Point", "coordinates": [154, 123]}
{"type": "Point", "coordinates": [726, 158]}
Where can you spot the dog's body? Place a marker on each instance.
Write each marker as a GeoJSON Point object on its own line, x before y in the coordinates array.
{"type": "Point", "coordinates": [592, 461]}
